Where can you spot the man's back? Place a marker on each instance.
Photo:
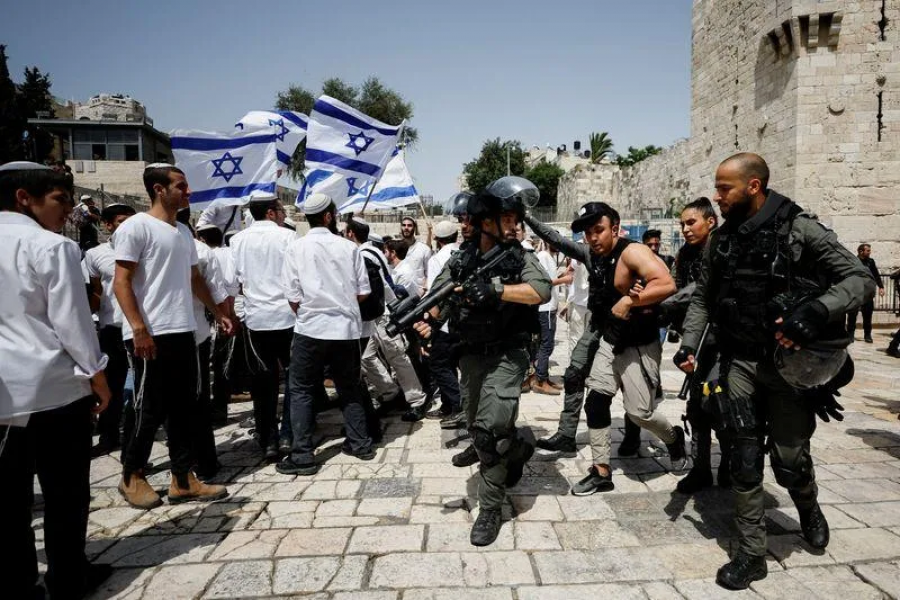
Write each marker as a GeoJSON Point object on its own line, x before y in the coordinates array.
{"type": "Point", "coordinates": [258, 253]}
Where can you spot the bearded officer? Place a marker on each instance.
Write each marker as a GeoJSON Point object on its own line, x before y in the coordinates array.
{"type": "Point", "coordinates": [495, 319]}
{"type": "Point", "coordinates": [761, 251]}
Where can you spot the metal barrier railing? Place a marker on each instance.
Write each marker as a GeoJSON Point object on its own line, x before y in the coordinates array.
{"type": "Point", "coordinates": [890, 302]}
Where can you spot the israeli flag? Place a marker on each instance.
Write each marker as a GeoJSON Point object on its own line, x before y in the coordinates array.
{"type": "Point", "coordinates": [393, 190]}
{"type": "Point", "coordinates": [225, 168]}
{"type": "Point", "coordinates": [346, 150]}
{"type": "Point", "coordinates": [289, 128]}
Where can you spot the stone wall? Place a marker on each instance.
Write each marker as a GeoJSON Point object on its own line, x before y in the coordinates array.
{"type": "Point", "coordinates": [113, 176]}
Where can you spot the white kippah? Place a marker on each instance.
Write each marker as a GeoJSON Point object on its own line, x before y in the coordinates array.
{"type": "Point", "coordinates": [160, 165]}
{"type": "Point", "coordinates": [262, 196]}
{"type": "Point", "coordinates": [316, 203]}
{"type": "Point", "coordinates": [359, 220]}
{"type": "Point", "coordinates": [24, 165]}
{"type": "Point", "coordinates": [86, 197]}
{"type": "Point", "coordinates": [375, 238]}
{"type": "Point", "coordinates": [445, 229]}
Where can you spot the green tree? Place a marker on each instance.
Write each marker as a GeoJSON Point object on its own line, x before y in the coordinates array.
{"type": "Point", "coordinates": [636, 155]}
{"type": "Point", "coordinates": [601, 146]}
{"type": "Point", "coordinates": [491, 163]}
{"type": "Point", "coordinates": [34, 93]}
{"type": "Point", "coordinates": [12, 122]}
{"type": "Point", "coordinates": [546, 177]}
{"type": "Point", "coordinates": [372, 97]}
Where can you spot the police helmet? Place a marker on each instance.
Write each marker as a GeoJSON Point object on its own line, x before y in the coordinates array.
{"type": "Point", "coordinates": [817, 364]}
{"type": "Point", "coordinates": [458, 204]}
{"type": "Point", "coordinates": [514, 194]}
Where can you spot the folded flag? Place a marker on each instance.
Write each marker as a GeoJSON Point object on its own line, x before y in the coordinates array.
{"type": "Point", "coordinates": [346, 150]}
{"type": "Point", "coordinates": [225, 168]}
{"type": "Point", "coordinates": [288, 126]}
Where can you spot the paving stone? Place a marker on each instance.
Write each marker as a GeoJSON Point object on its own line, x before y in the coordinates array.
{"type": "Point", "coordinates": [299, 575]}
{"type": "Point", "coordinates": [390, 488]}
{"type": "Point", "coordinates": [287, 515]}
{"type": "Point", "coordinates": [325, 522]}
{"type": "Point", "coordinates": [275, 491]}
{"type": "Point", "coordinates": [351, 573]}
{"type": "Point", "coordinates": [783, 586]}
{"type": "Point", "coordinates": [181, 581]}
{"type": "Point", "coordinates": [437, 514]}
{"type": "Point", "coordinates": [586, 508]}
{"type": "Point", "coordinates": [787, 518]}
{"type": "Point", "coordinates": [658, 590]}
{"type": "Point", "coordinates": [336, 508]}
{"type": "Point", "coordinates": [610, 564]}
{"type": "Point", "coordinates": [569, 592]}
{"type": "Point", "coordinates": [865, 471]}
{"type": "Point", "coordinates": [239, 579]}
{"type": "Point", "coordinates": [874, 514]}
{"type": "Point", "coordinates": [391, 538]}
{"type": "Point", "coordinates": [591, 535]}
{"type": "Point", "coordinates": [112, 518]}
{"type": "Point", "coordinates": [536, 536]}
{"type": "Point", "coordinates": [124, 584]}
{"type": "Point", "coordinates": [708, 589]}
{"type": "Point", "coordinates": [241, 545]}
{"type": "Point", "coordinates": [884, 575]}
{"type": "Point", "coordinates": [536, 508]}
{"type": "Point", "coordinates": [441, 471]}
{"type": "Point", "coordinates": [848, 545]}
{"type": "Point", "coordinates": [792, 551]}
{"type": "Point", "coordinates": [407, 570]}
{"type": "Point", "coordinates": [314, 542]}
{"type": "Point", "coordinates": [454, 537]}
{"type": "Point", "coordinates": [434, 486]}
{"type": "Point", "coordinates": [862, 490]}
{"type": "Point", "coordinates": [482, 569]}
{"type": "Point", "coordinates": [458, 594]}
{"type": "Point", "coordinates": [159, 550]}
{"type": "Point", "coordinates": [387, 595]}
{"type": "Point", "coordinates": [331, 490]}
{"type": "Point", "coordinates": [836, 582]}
{"type": "Point", "coordinates": [692, 561]}
{"type": "Point", "coordinates": [393, 508]}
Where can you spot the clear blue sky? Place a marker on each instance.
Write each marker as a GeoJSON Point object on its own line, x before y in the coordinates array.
{"type": "Point", "coordinates": [540, 72]}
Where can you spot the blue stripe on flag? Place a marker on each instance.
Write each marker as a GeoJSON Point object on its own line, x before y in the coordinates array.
{"type": "Point", "coordinates": [392, 193]}
{"type": "Point", "coordinates": [230, 192]}
{"type": "Point", "coordinates": [336, 113]}
{"type": "Point", "coordinates": [293, 118]}
{"type": "Point", "coordinates": [283, 157]}
{"type": "Point", "coordinates": [191, 143]}
{"type": "Point", "coordinates": [330, 158]}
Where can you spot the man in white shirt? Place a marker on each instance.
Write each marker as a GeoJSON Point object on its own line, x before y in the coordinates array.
{"type": "Point", "coordinates": [156, 279]}
{"type": "Point", "coordinates": [576, 312]}
{"type": "Point", "coordinates": [258, 253]}
{"type": "Point", "coordinates": [392, 348]}
{"type": "Point", "coordinates": [325, 278]}
{"type": "Point", "coordinates": [51, 380]}
{"type": "Point", "coordinates": [547, 316]}
{"type": "Point", "coordinates": [100, 264]}
{"type": "Point", "coordinates": [418, 253]}
{"type": "Point", "coordinates": [403, 271]}
{"type": "Point", "coordinates": [86, 215]}
{"type": "Point", "coordinates": [225, 216]}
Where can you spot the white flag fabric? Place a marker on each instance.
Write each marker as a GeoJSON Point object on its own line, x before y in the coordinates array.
{"type": "Point", "coordinates": [393, 190]}
{"type": "Point", "coordinates": [289, 128]}
{"type": "Point", "coordinates": [225, 168]}
{"type": "Point", "coordinates": [346, 150]}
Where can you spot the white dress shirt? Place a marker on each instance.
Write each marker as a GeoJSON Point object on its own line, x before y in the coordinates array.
{"type": "Point", "coordinates": [220, 215]}
{"type": "Point", "coordinates": [548, 262]}
{"type": "Point", "coordinates": [437, 261]}
{"type": "Point", "coordinates": [209, 268]}
{"type": "Point", "coordinates": [405, 275]}
{"type": "Point", "coordinates": [579, 289]}
{"type": "Point", "coordinates": [100, 263]}
{"type": "Point", "coordinates": [417, 258]}
{"type": "Point", "coordinates": [324, 273]}
{"type": "Point", "coordinates": [258, 253]}
{"type": "Point", "coordinates": [372, 253]}
{"type": "Point", "coordinates": [225, 258]}
{"type": "Point", "coordinates": [48, 344]}
{"type": "Point", "coordinates": [162, 280]}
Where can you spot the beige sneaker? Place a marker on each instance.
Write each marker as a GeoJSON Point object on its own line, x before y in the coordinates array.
{"type": "Point", "coordinates": [194, 489]}
{"type": "Point", "coordinates": [138, 493]}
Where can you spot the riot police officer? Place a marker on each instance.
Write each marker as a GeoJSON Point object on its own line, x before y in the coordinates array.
{"type": "Point", "coordinates": [763, 249]}
{"type": "Point", "coordinates": [494, 318]}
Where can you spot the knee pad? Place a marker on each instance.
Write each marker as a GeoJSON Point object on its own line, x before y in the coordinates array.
{"type": "Point", "coordinates": [573, 380]}
{"type": "Point", "coordinates": [746, 462]}
{"type": "Point", "coordinates": [796, 475]}
{"type": "Point", "coordinates": [596, 408]}
{"type": "Point", "coordinates": [486, 446]}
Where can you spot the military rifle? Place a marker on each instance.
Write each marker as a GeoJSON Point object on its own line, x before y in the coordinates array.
{"type": "Point", "coordinates": [689, 377]}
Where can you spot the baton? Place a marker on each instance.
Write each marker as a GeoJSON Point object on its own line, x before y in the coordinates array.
{"type": "Point", "coordinates": [689, 377]}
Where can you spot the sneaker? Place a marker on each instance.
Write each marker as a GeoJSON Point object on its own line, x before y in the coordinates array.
{"type": "Point", "coordinates": [438, 413]}
{"type": "Point", "coordinates": [677, 452]}
{"type": "Point", "coordinates": [289, 467]}
{"type": "Point", "coordinates": [416, 413]}
{"type": "Point", "coordinates": [188, 488]}
{"type": "Point", "coordinates": [593, 483]}
{"type": "Point", "coordinates": [697, 479]}
{"type": "Point", "coordinates": [814, 527]}
{"type": "Point", "coordinates": [367, 454]}
{"type": "Point", "coordinates": [486, 527]}
{"type": "Point", "coordinates": [557, 443]}
{"type": "Point", "coordinates": [138, 493]}
{"type": "Point", "coordinates": [544, 387]}
{"type": "Point", "coordinates": [455, 420]}
{"type": "Point", "coordinates": [520, 454]}
{"type": "Point", "coordinates": [742, 571]}
{"type": "Point", "coordinates": [466, 458]}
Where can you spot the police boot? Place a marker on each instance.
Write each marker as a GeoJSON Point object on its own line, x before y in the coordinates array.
{"type": "Point", "coordinates": [486, 527]}
{"type": "Point", "coordinates": [742, 571]}
{"type": "Point", "coordinates": [187, 487]}
{"type": "Point", "coordinates": [137, 492]}
{"type": "Point", "coordinates": [557, 442]}
{"type": "Point", "coordinates": [466, 458]}
{"type": "Point", "coordinates": [697, 479]}
{"type": "Point", "coordinates": [814, 527]}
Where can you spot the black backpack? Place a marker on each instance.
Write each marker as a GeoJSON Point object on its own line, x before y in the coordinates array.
{"type": "Point", "coordinates": [373, 306]}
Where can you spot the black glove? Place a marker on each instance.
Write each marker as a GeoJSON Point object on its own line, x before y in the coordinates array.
{"type": "Point", "coordinates": [805, 323]}
{"type": "Point", "coordinates": [823, 403]}
{"type": "Point", "coordinates": [481, 293]}
{"type": "Point", "coordinates": [682, 355]}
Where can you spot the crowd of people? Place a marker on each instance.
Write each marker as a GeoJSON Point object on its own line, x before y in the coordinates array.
{"type": "Point", "coordinates": [192, 312]}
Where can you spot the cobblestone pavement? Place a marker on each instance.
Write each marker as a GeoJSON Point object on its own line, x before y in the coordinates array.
{"type": "Point", "coordinates": [398, 527]}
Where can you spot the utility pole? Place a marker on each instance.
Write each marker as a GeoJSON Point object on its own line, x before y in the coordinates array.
{"type": "Point", "coordinates": [507, 160]}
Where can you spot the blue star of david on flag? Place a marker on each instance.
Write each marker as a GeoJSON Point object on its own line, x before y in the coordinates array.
{"type": "Point", "coordinates": [359, 142]}
{"type": "Point", "coordinates": [235, 166]}
{"type": "Point", "coordinates": [352, 190]}
{"type": "Point", "coordinates": [281, 129]}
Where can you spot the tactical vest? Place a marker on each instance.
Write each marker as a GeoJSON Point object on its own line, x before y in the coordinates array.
{"type": "Point", "coordinates": [641, 328]}
{"type": "Point", "coordinates": [748, 270]}
{"type": "Point", "coordinates": [510, 324]}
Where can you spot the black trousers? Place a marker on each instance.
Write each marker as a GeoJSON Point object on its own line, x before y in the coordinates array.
{"type": "Point", "coordinates": [309, 356]}
{"type": "Point", "coordinates": [444, 361]}
{"type": "Point", "coordinates": [110, 420]}
{"type": "Point", "coordinates": [273, 348]}
{"type": "Point", "coordinates": [866, 309]}
{"type": "Point", "coordinates": [55, 445]}
{"type": "Point", "coordinates": [165, 391]}
{"type": "Point", "coordinates": [203, 437]}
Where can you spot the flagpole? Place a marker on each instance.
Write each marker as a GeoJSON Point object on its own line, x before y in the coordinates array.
{"type": "Point", "coordinates": [374, 183]}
